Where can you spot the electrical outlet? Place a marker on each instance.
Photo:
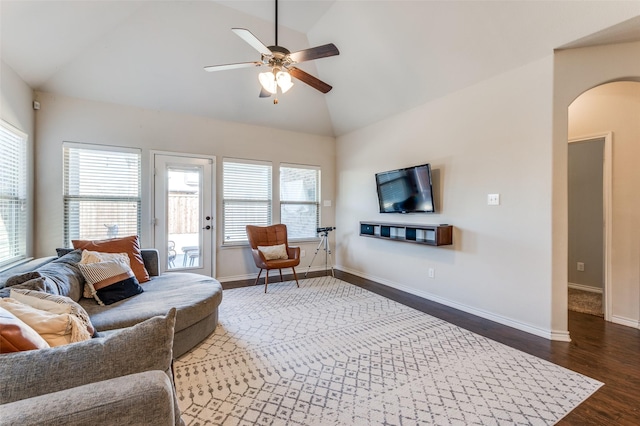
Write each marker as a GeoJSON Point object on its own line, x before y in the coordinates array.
{"type": "Point", "coordinates": [493, 199]}
{"type": "Point", "coordinates": [303, 253]}
{"type": "Point", "coordinates": [432, 273]}
{"type": "Point", "coordinates": [580, 266]}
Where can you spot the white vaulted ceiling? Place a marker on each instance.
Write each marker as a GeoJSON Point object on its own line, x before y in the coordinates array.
{"type": "Point", "coordinates": [394, 55]}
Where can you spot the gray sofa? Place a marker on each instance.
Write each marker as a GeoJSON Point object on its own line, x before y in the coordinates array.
{"type": "Point", "coordinates": [126, 369]}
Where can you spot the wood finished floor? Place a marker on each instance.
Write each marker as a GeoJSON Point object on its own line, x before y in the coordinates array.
{"type": "Point", "coordinates": [602, 350]}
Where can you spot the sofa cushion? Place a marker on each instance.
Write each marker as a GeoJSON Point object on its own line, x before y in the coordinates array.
{"type": "Point", "coordinates": [53, 303]}
{"type": "Point", "coordinates": [129, 245]}
{"type": "Point", "coordinates": [17, 336]}
{"type": "Point", "coordinates": [195, 296]}
{"type": "Point", "coordinates": [110, 281]}
{"type": "Point", "coordinates": [136, 399]}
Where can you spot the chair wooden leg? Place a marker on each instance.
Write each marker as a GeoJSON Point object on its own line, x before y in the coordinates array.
{"type": "Point", "coordinates": [258, 277]}
{"type": "Point", "coordinates": [295, 276]}
{"type": "Point", "coordinates": [266, 281]}
{"type": "Point", "coordinates": [281, 279]}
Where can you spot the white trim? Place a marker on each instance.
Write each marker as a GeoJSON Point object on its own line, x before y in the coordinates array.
{"type": "Point", "coordinates": [625, 321]}
{"type": "Point", "coordinates": [98, 147]}
{"type": "Point", "coordinates": [561, 336]}
{"type": "Point", "coordinates": [299, 166]}
{"type": "Point", "coordinates": [585, 288]}
{"type": "Point", "coordinates": [607, 170]}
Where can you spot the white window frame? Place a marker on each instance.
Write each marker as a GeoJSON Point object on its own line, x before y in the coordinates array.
{"type": "Point", "coordinates": [316, 202]}
{"type": "Point", "coordinates": [68, 197]}
{"type": "Point", "coordinates": [14, 193]}
{"type": "Point", "coordinates": [231, 237]}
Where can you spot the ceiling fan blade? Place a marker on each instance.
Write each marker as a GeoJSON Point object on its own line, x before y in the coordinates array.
{"type": "Point", "coordinates": [232, 66]}
{"type": "Point", "coordinates": [310, 80]}
{"type": "Point", "coordinates": [315, 53]}
{"type": "Point", "coordinates": [247, 36]}
{"type": "Point", "coordinates": [264, 93]}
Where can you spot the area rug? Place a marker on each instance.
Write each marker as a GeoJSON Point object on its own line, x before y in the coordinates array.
{"type": "Point", "coordinates": [332, 353]}
{"type": "Point", "coordinates": [586, 302]}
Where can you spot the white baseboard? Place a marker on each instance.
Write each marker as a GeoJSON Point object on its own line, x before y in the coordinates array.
{"type": "Point", "coordinates": [231, 278]}
{"type": "Point", "coordinates": [585, 288]}
{"type": "Point", "coordinates": [562, 336]}
{"type": "Point", "coordinates": [616, 319]}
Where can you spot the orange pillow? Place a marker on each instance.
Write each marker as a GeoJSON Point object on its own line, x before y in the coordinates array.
{"type": "Point", "coordinates": [16, 336]}
{"type": "Point", "coordinates": [129, 245]}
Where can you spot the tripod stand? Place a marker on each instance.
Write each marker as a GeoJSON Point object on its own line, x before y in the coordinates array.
{"type": "Point", "coordinates": [324, 242]}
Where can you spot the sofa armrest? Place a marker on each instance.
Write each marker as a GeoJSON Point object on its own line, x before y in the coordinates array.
{"type": "Point", "coordinates": [141, 399]}
{"type": "Point", "coordinates": [151, 259]}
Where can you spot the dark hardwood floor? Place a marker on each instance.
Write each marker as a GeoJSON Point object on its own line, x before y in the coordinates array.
{"type": "Point", "coordinates": [602, 350]}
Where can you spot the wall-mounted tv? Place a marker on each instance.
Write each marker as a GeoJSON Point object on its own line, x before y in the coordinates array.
{"type": "Point", "coordinates": [407, 190]}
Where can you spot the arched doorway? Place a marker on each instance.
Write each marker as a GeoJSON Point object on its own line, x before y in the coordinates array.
{"type": "Point", "coordinates": [575, 72]}
{"type": "Point", "coordinates": [604, 130]}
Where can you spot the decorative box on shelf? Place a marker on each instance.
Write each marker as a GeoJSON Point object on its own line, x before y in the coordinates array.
{"type": "Point", "coordinates": [433, 235]}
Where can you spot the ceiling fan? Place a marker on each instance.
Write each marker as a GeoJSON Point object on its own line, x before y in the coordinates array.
{"type": "Point", "coordinates": [281, 63]}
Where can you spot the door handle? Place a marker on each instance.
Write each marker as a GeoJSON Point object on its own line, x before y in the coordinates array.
{"type": "Point", "coordinates": [207, 227]}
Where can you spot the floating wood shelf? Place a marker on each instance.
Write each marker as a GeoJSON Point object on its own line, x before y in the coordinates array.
{"type": "Point", "coordinates": [432, 235]}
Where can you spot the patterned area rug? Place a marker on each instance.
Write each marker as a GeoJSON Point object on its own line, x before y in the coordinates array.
{"type": "Point", "coordinates": [331, 353]}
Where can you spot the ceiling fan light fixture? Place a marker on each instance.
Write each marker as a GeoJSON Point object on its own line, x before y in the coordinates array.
{"type": "Point", "coordinates": [284, 81]}
{"type": "Point", "coordinates": [268, 82]}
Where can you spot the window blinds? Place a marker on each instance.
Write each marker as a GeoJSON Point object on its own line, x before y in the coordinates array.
{"type": "Point", "coordinates": [300, 200]}
{"type": "Point", "coordinates": [101, 192]}
{"type": "Point", "coordinates": [13, 194]}
{"type": "Point", "coordinates": [247, 197]}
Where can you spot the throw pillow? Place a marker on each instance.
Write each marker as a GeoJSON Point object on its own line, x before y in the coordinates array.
{"type": "Point", "coordinates": [53, 303]}
{"type": "Point", "coordinates": [110, 281]}
{"type": "Point", "coordinates": [129, 245]}
{"type": "Point", "coordinates": [56, 329]}
{"type": "Point", "coordinates": [17, 336]}
{"type": "Point", "coordinates": [274, 252]}
{"type": "Point", "coordinates": [89, 256]}
{"type": "Point", "coordinates": [94, 360]}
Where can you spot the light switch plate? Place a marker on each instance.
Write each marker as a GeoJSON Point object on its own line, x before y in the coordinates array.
{"type": "Point", "coordinates": [327, 203]}
{"type": "Point", "coordinates": [493, 199]}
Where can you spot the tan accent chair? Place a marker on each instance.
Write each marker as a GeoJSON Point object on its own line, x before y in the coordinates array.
{"type": "Point", "coordinates": [271, 236]}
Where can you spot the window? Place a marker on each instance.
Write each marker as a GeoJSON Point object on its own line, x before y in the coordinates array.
{"type": "Point", "coordinates": [246, 197]}
{"type": "Point", "coordinates": [101, 192]}
{"type": "Point", "coordinates": [13, 194]}
{"type": "Point", "coordinates": [300, 200]}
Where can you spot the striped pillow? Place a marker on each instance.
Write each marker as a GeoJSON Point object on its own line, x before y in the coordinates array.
{"type": "Point", "coordinates": [89, 256]}
{"type": "Point", "coordinates": [110, 281]}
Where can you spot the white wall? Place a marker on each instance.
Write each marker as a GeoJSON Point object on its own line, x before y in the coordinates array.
{"type": "Point", "coordinates": [67, 119]}
{"type": "Point", "coordinates": [493, 137]}
{"type": "Point", "coordinates": [575, 72]}
{"type": "Point", "coordinates": [16, 99]}
{"type": "Point", "coordinates": [616, 107]}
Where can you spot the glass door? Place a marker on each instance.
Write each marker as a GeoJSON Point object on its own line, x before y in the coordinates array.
{"type": "Point", "coordinates": [184, 221]}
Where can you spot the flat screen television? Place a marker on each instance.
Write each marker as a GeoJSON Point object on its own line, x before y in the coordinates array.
{"type": "Point", "coordinates": [407, 190]}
